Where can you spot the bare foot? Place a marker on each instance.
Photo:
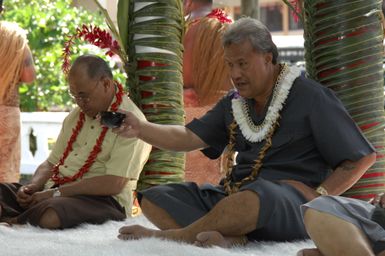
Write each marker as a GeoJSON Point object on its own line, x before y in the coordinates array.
{"type": "Point", "coordinates": [135, 232]}
{"type": "Point", "coordinates": [211, 238]}
{"type": "Point", "coordinates": [214, 238]}
{"type": "Point", "coordinates": [309, 252]}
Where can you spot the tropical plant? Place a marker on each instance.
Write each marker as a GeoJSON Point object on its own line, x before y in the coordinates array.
{"type": "Point", "coordinates": [151, 35]}
{"type": "Point", "coordinates": [344, 51]}
{"type": "Point", "coordinates": [48, 23]}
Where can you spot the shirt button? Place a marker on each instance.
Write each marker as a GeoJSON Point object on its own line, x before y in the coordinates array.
{"type": "Point", "coordinates": [92, 127]}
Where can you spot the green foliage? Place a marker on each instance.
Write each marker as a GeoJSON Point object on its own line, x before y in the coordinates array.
{"type": "Point", "coordinates": [48, 23]}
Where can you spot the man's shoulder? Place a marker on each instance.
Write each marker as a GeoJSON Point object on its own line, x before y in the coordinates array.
{"type": "Point", "coordinates": [309, 84]}
{"type": "Point", "coordinates": [309, 87]}
{"type": "Point", "coordinates": [129, 105]}
{"type": "Point", "coordinates": [72, 116]}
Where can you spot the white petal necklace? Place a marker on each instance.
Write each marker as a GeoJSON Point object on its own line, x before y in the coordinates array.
{"type": "Point", "coordinates": [256, 133]}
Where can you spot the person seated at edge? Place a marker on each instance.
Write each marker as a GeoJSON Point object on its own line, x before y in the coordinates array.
{"type": "Point", "coordinates": [294, 140]}
{"type": "Point", "coordinates": [345, 226]}
{"type": "Point", "coordinates": [89, 174]}
{"type": "Point", "coordinates": [16, 67]}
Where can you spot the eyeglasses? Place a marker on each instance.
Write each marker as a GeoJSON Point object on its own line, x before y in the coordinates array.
{"type": "Point", "coordinates": [83, 98]}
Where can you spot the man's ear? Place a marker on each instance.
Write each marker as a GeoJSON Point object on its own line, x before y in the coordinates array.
{"type": "Point", "coordinates": [268, 57]}
{"type": "Point", "coordinates": [106, 82]}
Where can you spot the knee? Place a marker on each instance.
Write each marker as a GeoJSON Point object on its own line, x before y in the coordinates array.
{"type": "Point", "coordinates": [50, 219]}
{"type": "Point", "coordinates": [248, 196]}
{"type": "Point", "coordinates": [314, 219]}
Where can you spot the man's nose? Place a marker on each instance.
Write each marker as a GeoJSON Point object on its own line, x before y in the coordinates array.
{"type": "Point", "coordinates": [235, 73]}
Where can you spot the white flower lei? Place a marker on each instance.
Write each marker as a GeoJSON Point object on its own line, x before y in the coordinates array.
{"type": "Point", "coordinates": [256, 133]}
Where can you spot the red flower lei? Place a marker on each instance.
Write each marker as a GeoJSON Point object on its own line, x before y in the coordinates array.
{"type": "Point", "coordinates": [95, 151]}
{"type": "Point", "coordinates": [297, 9]}
{"type": "Point", "coordinates": [220, 15]}
{"type": "Point", "coordinates": [94, 35]}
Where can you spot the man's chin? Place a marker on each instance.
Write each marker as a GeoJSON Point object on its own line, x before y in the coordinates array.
{"type": "Point", "coordinates": [243, 94]}
{"type": "Point", "coordinates": [91, 114]}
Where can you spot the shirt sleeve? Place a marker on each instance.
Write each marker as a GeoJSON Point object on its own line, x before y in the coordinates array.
{"type": "Point", "coordinates": [128, 156]}
{"type": "Point", "coordinates": [212, 128]}
{"type": "Point", "coordinates": [336, 135]}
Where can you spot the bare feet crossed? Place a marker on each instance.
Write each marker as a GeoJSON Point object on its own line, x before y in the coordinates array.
{"type": "Point", "coordinates": [202, 239]}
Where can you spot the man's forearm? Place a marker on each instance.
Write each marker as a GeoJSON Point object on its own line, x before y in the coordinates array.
{"type": "Point", "coordinates": [347, 174]}
{"type": "Point", "coordinates": [106, 185]}
{"type": "Point", "coordinates": [42, 174]}
{"type": "Point", "coordinates": [170, 137]}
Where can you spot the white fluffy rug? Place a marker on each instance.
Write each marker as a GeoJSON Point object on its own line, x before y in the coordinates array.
{"type": "Point", "coordinates": [101, 240]}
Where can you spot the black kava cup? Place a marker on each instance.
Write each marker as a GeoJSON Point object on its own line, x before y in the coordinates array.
{"type": "Point", "coordinates": [111, 119]}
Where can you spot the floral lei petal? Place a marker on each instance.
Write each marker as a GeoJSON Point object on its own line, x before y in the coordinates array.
{"type": "Point", "coordinates": [220, 15]}
{"type": "Point", "coordinates": [256, 133]}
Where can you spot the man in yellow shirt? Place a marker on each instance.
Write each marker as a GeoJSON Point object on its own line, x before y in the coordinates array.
{"type": "Point", "coordinates": [91, 173]}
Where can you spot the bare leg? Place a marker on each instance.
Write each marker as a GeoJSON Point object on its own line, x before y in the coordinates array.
{"type": "Point", "coordinates": [334, 236]}
{"type": "Point", "coordinates": [223, 219]}
{"type": "Point", "coordinates": [158, 216]}
{"type": "Point", "coordinates": [50, 219]}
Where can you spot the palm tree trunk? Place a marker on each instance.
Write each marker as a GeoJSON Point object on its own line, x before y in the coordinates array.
{"type": "Point", "coordinates": [344, 51]}
{"type": "Point", "coordinates": [152, 36]}
{"type": "Point", "coordinates": [250, 8]}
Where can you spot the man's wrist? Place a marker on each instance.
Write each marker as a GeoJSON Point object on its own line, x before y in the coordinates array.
{"type": "Point", "coordinates": [321, 191]}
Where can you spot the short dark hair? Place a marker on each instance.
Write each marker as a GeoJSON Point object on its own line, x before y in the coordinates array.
{"type": "Point", "coordinates": [95, 66]}
{"type": "Point", "coordinates": [254, 31]}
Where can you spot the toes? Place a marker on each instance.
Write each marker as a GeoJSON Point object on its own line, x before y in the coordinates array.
{"type": "Point", "coordinates": [210, 238]}
{"type": "Point", "coordinates": [198, 244]}
{"type": "Point", "coordinates": [126, 237]}
{"type": "Point", "coordinates": [134, 232]}
{"type": "Point", "coordinates": [203, 237]}
{"type": "Point", "coordinates": [309, 252]}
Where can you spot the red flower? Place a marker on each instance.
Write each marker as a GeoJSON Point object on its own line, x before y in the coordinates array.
{"type": "Point", "coordinates": [297, 7]}
{"type": "Point", "coordinates": [93, 35]}
{"type": "Point", "coordinates": [220, 15]}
